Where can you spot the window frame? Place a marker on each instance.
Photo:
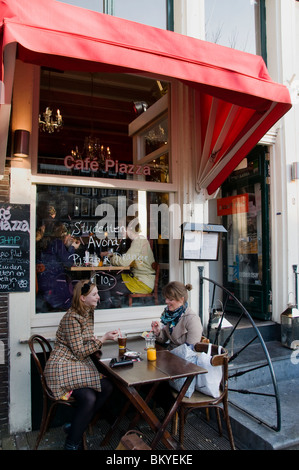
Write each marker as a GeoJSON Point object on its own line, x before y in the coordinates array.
{"type": "Point", "coordinates": [47, 322]}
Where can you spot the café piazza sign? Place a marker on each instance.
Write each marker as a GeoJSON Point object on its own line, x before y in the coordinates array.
{"type": "Point", "coordinates": [72, 163]}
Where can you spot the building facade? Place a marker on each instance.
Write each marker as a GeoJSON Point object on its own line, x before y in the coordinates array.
{"type": "Point", "coordinates": [107, 162]}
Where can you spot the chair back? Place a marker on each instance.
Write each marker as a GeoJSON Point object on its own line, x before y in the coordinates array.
{"type": "Point", "coordinates": [36, 342]}
{"type": "Point", "coordinates": [217, 359]}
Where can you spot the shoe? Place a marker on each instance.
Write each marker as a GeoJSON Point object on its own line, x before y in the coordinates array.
{"type": "Point", "coordinates": [66, 428]}
{"type": "Point", "coordinates": [69, 445]}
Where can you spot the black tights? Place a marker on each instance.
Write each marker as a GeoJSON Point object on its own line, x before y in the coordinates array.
{"type": "Point", "coordinates": [89, 401]}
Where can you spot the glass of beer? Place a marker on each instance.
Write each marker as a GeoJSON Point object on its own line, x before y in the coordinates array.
{"type": "Point", "coordinates": [122, 343]}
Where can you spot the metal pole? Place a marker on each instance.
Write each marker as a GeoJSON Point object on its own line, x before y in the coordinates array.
{"type": "Point", "coordinates": [296, 285]}
{"type": "Point", "coordinates": [200, 271]}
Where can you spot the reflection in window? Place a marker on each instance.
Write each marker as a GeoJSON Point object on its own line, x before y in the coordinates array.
{"type": "Point", "coordinates": [83, 233]}
{"type": "Point", "coordinates": [152, 13]}
{"type": "Point", "coordinates": [156, 137]}
{"type": "Point", "coordinates": [233, 24]}
{"type": "Point", "coordinates": [94, 5]}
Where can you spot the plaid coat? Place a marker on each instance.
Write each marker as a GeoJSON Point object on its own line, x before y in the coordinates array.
{"type": "Point", "coordinates": [69, 366]}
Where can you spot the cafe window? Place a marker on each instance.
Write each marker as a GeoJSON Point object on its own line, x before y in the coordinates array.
{"type": "Point", "coordinates": [84, 122]}
{"type": "Point", "coordinates": [82, 233]}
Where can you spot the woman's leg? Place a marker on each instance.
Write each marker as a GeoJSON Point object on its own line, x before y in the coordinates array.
{"type": "Point", "coordinates": [89, 401]}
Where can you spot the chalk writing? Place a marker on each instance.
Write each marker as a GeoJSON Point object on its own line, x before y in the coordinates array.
{"type": "Point", "coordinates": [14, 247]}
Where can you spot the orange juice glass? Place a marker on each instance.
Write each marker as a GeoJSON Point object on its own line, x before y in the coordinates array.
{"type": "Point", "coordinates": [151, 354]}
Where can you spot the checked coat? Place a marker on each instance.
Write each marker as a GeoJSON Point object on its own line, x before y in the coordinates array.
{"type": "Point", "coordinates": [69, 366]}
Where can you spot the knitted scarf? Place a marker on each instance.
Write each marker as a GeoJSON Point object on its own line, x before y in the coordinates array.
{"type": "Point", "coordinates": [171, 318]}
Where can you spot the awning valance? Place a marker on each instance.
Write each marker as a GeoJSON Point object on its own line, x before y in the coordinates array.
{"type": "Point", "coordinates": [237, 100]}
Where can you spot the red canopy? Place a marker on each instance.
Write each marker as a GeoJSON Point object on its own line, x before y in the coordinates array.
{"type": "Point", "coordinates": [237, 100]}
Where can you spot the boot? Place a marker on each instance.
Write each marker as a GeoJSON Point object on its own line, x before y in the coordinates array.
{"type": "Point", "coordinates": [69, 445]}
{"type": "Point", "coordinates": [66, 428]}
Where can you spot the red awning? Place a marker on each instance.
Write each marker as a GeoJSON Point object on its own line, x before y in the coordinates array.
{"type": "Point", "coordinates": [237, 100]}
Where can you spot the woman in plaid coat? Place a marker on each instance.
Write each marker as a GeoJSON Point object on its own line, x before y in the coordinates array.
{"type": "Point", "coordinates": [70, 368]}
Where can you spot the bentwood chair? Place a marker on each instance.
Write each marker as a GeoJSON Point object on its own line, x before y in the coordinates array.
{"type": "Point", "coordinates": [50, 404]}
{"type": "Point", "coordinates": [154, 294]}
{"type": "Point", "coordinates": [200, 400]}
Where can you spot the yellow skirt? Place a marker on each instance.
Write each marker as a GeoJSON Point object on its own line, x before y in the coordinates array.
{"type": "Point", "coordinates": [135, 286]}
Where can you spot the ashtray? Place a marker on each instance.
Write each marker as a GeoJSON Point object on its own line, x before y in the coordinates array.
{"type": "Point", "coordinates": [132, 354]}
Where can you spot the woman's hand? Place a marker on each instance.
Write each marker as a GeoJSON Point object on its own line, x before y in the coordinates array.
{"type": "Point", "coordinates": [155, 327]}
{"type": "Point", "coordinates": [113, 335]}
{"type": "Point", "coordinates": [76, 244]}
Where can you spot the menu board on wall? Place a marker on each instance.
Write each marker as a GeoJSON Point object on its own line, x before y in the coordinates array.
{"type": "Point", "coordinates": [14, 247]}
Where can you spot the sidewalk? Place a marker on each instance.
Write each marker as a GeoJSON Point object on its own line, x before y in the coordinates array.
{"type": "Point", "coordinates": [199, 435]}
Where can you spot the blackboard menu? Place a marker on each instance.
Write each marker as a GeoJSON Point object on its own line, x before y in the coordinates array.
{"type": "Point", "coordinates": [14, 247]}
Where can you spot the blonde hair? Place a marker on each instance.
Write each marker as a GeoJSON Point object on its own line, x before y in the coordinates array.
{"type": "Point", "coordinates": [77, 303]}
{"type": "Point", "coordinates": [176, 290]}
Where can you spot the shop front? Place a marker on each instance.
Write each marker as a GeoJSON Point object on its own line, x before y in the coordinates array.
{"type": "Point", "coordinates": [128, 124]}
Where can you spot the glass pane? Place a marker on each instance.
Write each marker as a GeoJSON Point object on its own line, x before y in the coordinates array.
{"type": "Point", "coordinates": [156, 137]}
{"type": "Point", "coordinates": [83, 233]}
{"type": "Point", "coordinates": [244, 237]}
{"type": "Point", "coordinates": [159, 168]}
{"type": "Point", "coordinates": [152, 13]}
{"type": "Point", "coordinates": [95, 111]}
{"type": "Point", "coordinates": [94, 5]}
{"type": "Point", "coordinates": [233, 24]}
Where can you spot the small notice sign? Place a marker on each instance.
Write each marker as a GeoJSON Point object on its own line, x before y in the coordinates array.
{"type": "Point", "coordinates": [233, 204]}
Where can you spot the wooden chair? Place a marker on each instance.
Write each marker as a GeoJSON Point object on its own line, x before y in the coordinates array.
{"type": "Point", "coordinates": [200, 400]}
{"type": "Point", "coordinates": [154, 294]}
{"type": "Point", "coordinates": [49, 402]}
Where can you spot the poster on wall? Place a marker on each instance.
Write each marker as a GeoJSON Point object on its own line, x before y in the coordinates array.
{"type": "Point", "coordinates": [14, 247]}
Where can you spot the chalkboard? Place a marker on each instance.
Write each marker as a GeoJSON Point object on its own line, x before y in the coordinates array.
{"type": "Point", "coordinates": [14, 247]}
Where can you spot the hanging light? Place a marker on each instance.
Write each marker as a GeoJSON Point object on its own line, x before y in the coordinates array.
{"type": "Point", "coordinates": [93, 150]}
{"type": "Point", "coordinates": [92, 147]}
{"type": "Point", "coordinates": [49, 123]}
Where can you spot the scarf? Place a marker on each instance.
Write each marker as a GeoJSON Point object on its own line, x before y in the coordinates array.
{"type": "Point", "coordinates": [171, 318]}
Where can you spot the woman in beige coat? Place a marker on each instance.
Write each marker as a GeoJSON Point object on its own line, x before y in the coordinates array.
{"type": "Point", "coordinates": [70, 370]}
{"type": "Point", "coordinates": [181, 324]}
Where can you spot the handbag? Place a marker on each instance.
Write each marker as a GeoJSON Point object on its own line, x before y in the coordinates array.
{"type": "Point", "coordinates": [208, 383]}
{"type": "Point", "coordinates": [187, 353]}
{"type": "Point", "coordinates": [132, 440]}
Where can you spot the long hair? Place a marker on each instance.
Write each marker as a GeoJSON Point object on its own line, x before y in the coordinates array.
{"type": "Point", "coordinates": [79, 290]}
{"type": "Point", "coordinates": [176, 290]}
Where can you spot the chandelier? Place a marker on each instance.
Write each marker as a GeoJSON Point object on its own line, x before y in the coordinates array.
{"type": "Point", "coordinates": [49, 123]}
{"type": "Point", "coordinates": [93, 150]}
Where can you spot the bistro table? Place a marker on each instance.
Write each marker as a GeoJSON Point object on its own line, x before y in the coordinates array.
{"type": "Point", "coordinates": [94, 269]}
{"type": "Point", "coordinates": [129, 380]}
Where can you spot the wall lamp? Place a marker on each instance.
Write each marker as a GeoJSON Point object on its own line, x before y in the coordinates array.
{"type": "Point", "coordinates": [21, 143]}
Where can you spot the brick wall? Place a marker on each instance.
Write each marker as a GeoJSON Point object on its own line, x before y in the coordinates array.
{"type": "Point", "coordinates": [4, 353]}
